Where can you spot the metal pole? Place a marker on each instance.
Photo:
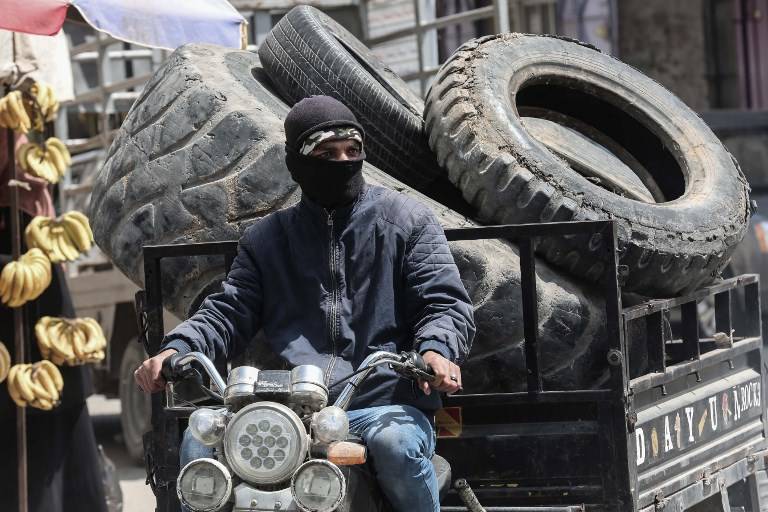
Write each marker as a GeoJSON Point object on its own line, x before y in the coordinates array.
{"type": "Point", "coordinates": [18, 329]}
{"type": "Point", "coordinates": [419, 44]}
{"type": "Point", "coordinates": [501, 17]}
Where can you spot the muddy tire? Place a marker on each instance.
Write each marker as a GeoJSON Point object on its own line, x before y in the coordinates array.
{"type": "Point", "coordinates": [308, 53]}
{"type": "Point", "coordinates": [135, 405]}
{"type": "Point", "coordinates": [198, 158]}
{"type": "Point", "coordinates": [474, 121]}
{"type": "Point", "coordinates": [201, 155]}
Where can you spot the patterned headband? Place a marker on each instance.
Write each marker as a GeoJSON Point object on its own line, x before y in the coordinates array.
{"type": "Point", "coordinates": [340, 133]}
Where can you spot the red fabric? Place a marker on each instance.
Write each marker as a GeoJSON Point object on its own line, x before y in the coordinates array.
{"type": "Point", "coordinates": [37, 200]}
{"type": "Point", "coordinates": [43, 17]}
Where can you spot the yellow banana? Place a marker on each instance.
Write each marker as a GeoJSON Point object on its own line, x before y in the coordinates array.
{"type": "Point", "coordinates": [45, 232]}
{"type": "Point", "coordinates": [28, 287]}
{"type": "Point", "coordinates": [77, 232]}
{"type": "Point", "coordinates": [66, 245]}
{"type": "Point", "coordinates": [41, 268]}
{"type": "Point", "coordinates": [38, 279]}
{"type": "Point", "coordinates": [33, 234]}
{"type": "Point", "coordinates": [6, 280]}
{"type": "Point", "coordinates": [42, 403]}
{"type": "Point", "coordinates": [39, 91]}
{"type": "Point", "coordinates": [80, 217]}
{"type": "Point", "coordinates": [95, 335]}
{"type": "Point", "coordinates": [13, 389]}
{"type": "Point", "coordinates": [53, 373]}
{"type": "Point", "coordinates": [23, 154]}
{"type": "Point", "coordinates": [42, 333]}
{"type": "Point", "coordinates": [45, 380]}
{"type": "Point", "coordinates": [36, 162]}
{"type": "Point", "coordinates": [16, 285]}
{"type": "Point", "coordinates": [78, 341]}
{"type": "Point", "coordinates": [42, 164]}
{"type": "Point", "coordinates": [36, 386]}
{"type": "Point", "coordinates": [5, 118]}
{"type": "Point", "coordinates": [46, 100]}
{"type": "Point", "coordinates": [54, 142]}
{"type": "Point", "coordinates": [23, 383]}
{"type": "Point", "coordinates": [57, 255]}
{"type": "Point", "coordinates": [13, 111]}
{"type": "Point", "coordinates": [17, 101]}
{"type": "Point", "coordinates": [57, 159]}
{"type": "Point", "coordinates": [59, 343]}
{"type": "Point", "coordinates": [5, 361]}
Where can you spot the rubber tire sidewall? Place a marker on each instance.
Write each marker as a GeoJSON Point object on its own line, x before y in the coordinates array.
{"type": "Point", "coordinates": [308, 53]}
{"type": "Point", "coordinates": [512, 178]}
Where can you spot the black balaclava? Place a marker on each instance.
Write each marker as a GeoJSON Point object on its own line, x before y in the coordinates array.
{"type": "Point", "coordinates": [329, 183]}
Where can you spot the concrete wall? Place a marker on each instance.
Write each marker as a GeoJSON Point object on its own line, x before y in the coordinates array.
{"type": "Point", "coordinates": [665, 40]}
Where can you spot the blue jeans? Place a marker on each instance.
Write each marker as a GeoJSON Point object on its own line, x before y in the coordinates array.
{"type": "Point", "coordinates": [401, 443]}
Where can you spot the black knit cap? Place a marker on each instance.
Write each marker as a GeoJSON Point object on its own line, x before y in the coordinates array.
{"type": "Point", "coordinates": [316, 113]}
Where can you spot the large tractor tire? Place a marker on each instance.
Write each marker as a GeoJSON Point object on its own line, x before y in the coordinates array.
{"type": "Point", "coordinates": [201, 156]}
{"type": "Point", "coordinates": [308, 53]}
{"type": "Point", "coordinates": [198, 158]}
{"type": "Point", "coordinates": [490, 116]}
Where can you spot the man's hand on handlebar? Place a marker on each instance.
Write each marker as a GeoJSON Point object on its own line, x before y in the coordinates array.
{"type": "Point", "coordinates": [447, 375]}
{"type": "Point", "coordinates": [148, 376]}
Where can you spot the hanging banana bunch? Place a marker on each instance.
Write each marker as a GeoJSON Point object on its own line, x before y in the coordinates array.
{"type": "Point", "coordinates": [38, 385]}
{"type": "Point", "coordinates": [25, 279]}
{"type": "Point", "coordinates": [13, 113]}
{"type": "Point", "coordinates": [63, 238]}
{"type": "Point", "coordinates": [44, 102]}
{"type": "Point", "coordinates": [72, 341]}
{"type": "Point", "coordinates": [5, 361]}
{"type": "Point", "coordinates": [48, 162]}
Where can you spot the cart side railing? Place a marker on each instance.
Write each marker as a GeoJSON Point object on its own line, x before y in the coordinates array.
{"type": "Point", "coordinates": [608, 403]}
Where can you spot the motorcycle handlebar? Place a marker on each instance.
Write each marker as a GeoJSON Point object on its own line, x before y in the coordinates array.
{"type": "Point", "coordinates": [407, 364]}
{"type": "Point", "coordinates": [177, 367]}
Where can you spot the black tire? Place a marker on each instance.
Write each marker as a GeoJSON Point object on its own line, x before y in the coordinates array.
{"type": "Point", "coordinates": [473, 114]}
{"type": "Point", "coordinates": [308, 53]}
{"type": "Point", "coordinates": [135, 405]}
{"type": "Point", "coordinates": [198, 158]}
{"type": "Point", "coordinates": [138, 202]}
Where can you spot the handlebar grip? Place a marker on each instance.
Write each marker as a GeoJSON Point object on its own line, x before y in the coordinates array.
{"type": "Point", "coordinates": [171, 371]}
{"type": "Point", "coordinates": [420, 368]}
{"type": "Point", "coordinates": [422, 365]}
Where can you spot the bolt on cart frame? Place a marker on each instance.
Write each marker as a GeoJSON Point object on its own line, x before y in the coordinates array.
{"type": "Point", "coordinates": [684, 430]}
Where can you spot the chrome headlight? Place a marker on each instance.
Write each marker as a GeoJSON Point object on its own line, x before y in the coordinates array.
{"type": "Point", "coordinates": [318, 486]}
{"type": "Point", "coordinates": [207, 425]}
{"type": "Point", "coordinates": [265, 443]}
{"type": "Point", "coordinates": [204, 485]}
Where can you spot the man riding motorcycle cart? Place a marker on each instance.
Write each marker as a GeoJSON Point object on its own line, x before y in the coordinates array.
{"type": "Point", "coordinates": [350, 270]}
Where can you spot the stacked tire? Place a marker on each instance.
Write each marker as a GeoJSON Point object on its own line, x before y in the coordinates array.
{"type": "Point", "coordinates": [200, 157]}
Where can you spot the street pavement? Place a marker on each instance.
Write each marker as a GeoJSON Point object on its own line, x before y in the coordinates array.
{"type": "Point", "coordinates": [137, 497]}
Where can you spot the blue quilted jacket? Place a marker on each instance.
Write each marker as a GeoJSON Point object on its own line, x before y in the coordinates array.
{"type": "Point", "coordinates": [329, 289]}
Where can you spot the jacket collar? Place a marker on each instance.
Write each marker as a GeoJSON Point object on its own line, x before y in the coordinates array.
{"type": "Point", "coordinates": [317, 211]}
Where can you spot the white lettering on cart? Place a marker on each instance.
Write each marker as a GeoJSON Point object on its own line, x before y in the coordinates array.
{"type": "Point", "coordinates": [689, 416]}
{"type": "Point", "coordinates": [667, 436]}
{"type": "Point", "coordinates": [713, 412]}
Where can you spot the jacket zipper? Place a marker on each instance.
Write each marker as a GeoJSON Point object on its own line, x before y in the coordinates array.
{"type": "Point", "coordinates": [332, 325]}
